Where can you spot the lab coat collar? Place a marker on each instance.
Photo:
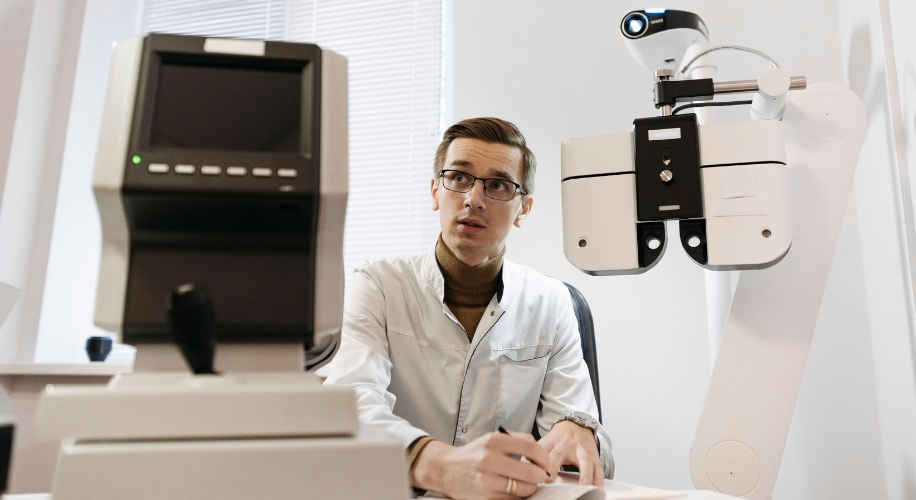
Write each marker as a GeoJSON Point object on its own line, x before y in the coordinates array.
{"type": "Point", "coordinates": [510, 275]}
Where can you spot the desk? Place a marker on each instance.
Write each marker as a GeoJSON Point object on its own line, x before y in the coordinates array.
{"type": "Point", "coordinates": [33, 463]}
{"type": "Point", "coordinates": [691, 495]}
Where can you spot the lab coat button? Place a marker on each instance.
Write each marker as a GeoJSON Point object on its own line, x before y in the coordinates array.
{"type": "Point", "coordinates": [464, 429]}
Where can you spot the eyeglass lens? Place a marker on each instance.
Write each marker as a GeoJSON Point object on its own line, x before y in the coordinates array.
{"type": "Point", "coordinates": [461, 182]}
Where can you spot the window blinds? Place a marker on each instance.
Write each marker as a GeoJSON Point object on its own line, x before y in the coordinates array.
{"type": "Point", "coordinates": [395, 50]}
{"type": "Point", "coordinates": [395, 54]}
{"type": "Point", "coordinates": [230, 18]}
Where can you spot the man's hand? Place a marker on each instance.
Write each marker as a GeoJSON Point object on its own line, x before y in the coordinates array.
{"type": "Point", "coordinates": [482, 468]}
{"type": "Point", "coordinates": [568, 443]}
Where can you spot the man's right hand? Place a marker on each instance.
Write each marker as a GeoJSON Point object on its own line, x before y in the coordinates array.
{"type": "Point", "coordinates": [482, 468]}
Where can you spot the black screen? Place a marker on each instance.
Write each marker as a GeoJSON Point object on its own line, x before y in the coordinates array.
{"type": "Point", "coordinates": [227, 108]}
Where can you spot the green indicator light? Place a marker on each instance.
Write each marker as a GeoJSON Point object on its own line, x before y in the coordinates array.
{"type": "Point", "coordinates": [135, 159]}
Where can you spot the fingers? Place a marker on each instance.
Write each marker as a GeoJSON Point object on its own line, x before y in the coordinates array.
{"type": "Point", "coordinates": [509, 467]}
{"type": "Point", "coordinates": [497, 486]}
{"type": "Point", "coordinates": [587, 465]}
{"type": "Point", "coordinates": [599, 474]}
{"type": "Point", "coordinates": [522, 445]}
{"type": "Point", "coordinates": [557, 458]}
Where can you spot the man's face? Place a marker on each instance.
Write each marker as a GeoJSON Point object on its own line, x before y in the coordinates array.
{"type": "Point", "coordinates": [474, 226]}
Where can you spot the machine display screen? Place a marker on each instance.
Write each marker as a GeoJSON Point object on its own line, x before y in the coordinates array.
{"type": "Point", "coordinates": [227, 108]}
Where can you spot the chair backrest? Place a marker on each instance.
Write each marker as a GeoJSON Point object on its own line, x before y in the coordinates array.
{"type": "Point", "coordinates": [587, 337]}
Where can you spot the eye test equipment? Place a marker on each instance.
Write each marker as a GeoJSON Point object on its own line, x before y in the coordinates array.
{"type": "Point", "coordinates": [766, 196]}
{"type": "Point", "coordinates": [221, 182]}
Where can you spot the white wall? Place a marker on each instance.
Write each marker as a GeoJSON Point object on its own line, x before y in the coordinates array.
{"type": "Point", "coordinates": [880, 194]}
{"type": "Point", "coordinates": [560, 70]}
{"type": "Point", "coordinates": [34, 161]}
{"type": "Point", "coordinates": [15, 20]}
{"type": "Point", "coordinates": [69, 295]}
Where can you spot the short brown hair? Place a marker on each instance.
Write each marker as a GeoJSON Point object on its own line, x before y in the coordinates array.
{"type": "Point", "coordinates": [489, 130]}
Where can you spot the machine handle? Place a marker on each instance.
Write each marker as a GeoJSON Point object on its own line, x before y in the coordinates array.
{"type": "Point", "coordinates": [745, 86]}
{"type": "Point", "coordinates": [193, 326]}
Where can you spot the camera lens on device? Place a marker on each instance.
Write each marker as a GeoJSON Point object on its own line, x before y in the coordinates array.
{"type": "Point", "coordinates": [635, 24]}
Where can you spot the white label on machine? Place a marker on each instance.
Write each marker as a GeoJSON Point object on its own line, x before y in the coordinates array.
{"type": "Point", "coordinates": [235, 46]}
{"type": "Point", "coordinates": [664, 134]}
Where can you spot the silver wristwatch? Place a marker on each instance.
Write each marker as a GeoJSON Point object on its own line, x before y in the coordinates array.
{"type": "Point", "coordinates": [583, 420]}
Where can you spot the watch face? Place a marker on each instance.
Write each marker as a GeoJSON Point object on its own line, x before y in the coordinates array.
{"type": "Point", "coordinates": [584, 419]}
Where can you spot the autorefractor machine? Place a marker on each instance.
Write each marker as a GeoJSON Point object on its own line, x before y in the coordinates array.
{"type": "Point", "coordinates": [221, 182]}
{"type": "Point", "coordinates": [766, 196]}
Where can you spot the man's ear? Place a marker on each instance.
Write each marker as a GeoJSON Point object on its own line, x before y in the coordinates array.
{"type": "Point", "coordinates": [434, 191]}
{"type": "Point", "coordinates": [527, 203]}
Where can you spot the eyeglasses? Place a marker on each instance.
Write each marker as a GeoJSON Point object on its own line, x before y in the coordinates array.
{"type": "Point", "coordinates": [496, 189]}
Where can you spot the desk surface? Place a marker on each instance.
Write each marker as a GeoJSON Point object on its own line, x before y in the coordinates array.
{"type": "Point", "coordinates": [64, 369]}
{"type": "Point", "coordinates": [692, 495]}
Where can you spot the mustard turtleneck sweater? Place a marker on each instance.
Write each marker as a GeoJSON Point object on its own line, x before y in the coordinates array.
{"type": "Point", "coordinates": [468, 291]}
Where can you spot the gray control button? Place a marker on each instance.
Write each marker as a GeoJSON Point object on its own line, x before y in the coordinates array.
{"type": "Point", "coordinates": [158, 168]}
{"type": "Point", "coordinates": [185, 169]}
{"type": "Point", "coordinates": [261, 172]}
{"type": "Point", "coordinates": [211, 170]}
{"type": "Point", "coordinates": [287, 172]}
{"type": "Point", "coordinates": [236, 171]}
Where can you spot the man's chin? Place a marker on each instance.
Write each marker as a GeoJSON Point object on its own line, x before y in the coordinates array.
{"type": "Point", "coordinates": [467, 241]}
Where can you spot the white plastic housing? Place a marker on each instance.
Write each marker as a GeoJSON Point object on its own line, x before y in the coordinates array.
{"type": "Point", "coordinates": [599, 204]}
{"type": "Point", "coordinates": [108, 180]}
{"type": "Point", "coordinates": [744, 189]}
{"type": "Point", "coordinates": [770, 101]}
{"type": "Point", "coordinates": [663, 50]}
{"type": "Point", "coordinates": [181, 405]}
{"type": "Point", "coordinates": [754, 386]}
{"type": "Point", "coordinates": [369, 466]}
{"type": "Point", "coordinates": [232, 437]}
{"type": "Point", "coordinates": [745, 196]}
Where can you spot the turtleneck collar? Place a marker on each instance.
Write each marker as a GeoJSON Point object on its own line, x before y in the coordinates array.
{"type": "Point", "coordinates": [468, 284]}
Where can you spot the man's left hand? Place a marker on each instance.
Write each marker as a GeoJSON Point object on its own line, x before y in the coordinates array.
{"type": "Point", "coordinates": [571, 444]}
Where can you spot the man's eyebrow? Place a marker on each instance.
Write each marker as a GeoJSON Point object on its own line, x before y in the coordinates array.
{"type": "Point", "coordinates": [497, 174]}
{"type": "Point", "coordinates": [501, 175]}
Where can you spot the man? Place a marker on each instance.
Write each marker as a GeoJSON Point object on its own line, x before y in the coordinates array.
{"type": "Point", "coordinates": [445, 349]}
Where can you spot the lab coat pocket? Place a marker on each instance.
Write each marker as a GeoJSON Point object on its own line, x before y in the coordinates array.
{"type": "Point", "coordinates": [521, 378]}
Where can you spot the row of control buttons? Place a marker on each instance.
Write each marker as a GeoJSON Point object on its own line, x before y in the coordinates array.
{"type": "Point", "coordinates": [163, 168]}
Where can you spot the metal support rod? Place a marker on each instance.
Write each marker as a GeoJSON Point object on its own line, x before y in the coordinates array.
{"type": "Point", "coordinates": [666, 110]}
{"type": "Point", "coordinates": [745, 86]}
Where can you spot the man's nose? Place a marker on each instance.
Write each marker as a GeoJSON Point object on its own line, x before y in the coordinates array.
{"type": "Point", "coordinates": [476, 197]}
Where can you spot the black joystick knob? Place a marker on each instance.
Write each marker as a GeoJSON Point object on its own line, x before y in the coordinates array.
{"type": "Point", "coordinates": [193, 326]}
{"type": "Point", "coordinates": [98, 348]}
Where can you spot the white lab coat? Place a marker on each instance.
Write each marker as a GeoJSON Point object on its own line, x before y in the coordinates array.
{"type": "Point", "coordinates": [415, 372]}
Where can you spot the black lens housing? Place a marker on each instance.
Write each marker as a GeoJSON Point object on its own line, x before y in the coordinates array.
{"type": "Point", "coordinates": [625, 24]}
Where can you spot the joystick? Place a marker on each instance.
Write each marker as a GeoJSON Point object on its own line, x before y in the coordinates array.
{"type": "Point", "coordinates": [193, 326]}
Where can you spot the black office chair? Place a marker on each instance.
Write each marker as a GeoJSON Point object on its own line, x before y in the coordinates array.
{"type": "Point", "coordinates": [587, 338]}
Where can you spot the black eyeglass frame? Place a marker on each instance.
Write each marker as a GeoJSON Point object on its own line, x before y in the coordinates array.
{"type": "Point", "coordinates": [518, 187]}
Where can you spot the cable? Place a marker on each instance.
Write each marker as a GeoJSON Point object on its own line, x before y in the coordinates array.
{"type": "Point", "coordinates": [727, 47]}
{"type": "Point", "coordinates": [704, 104]}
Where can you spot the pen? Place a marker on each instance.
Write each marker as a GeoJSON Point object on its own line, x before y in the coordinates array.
{"type": "Point", "coordinates": [504, 431]}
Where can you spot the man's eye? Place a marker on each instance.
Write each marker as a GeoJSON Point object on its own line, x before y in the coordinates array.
{"type": "Point", "coordinates": [459, 178]}
{"type": "Point", "coordinates": [499, 185]}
